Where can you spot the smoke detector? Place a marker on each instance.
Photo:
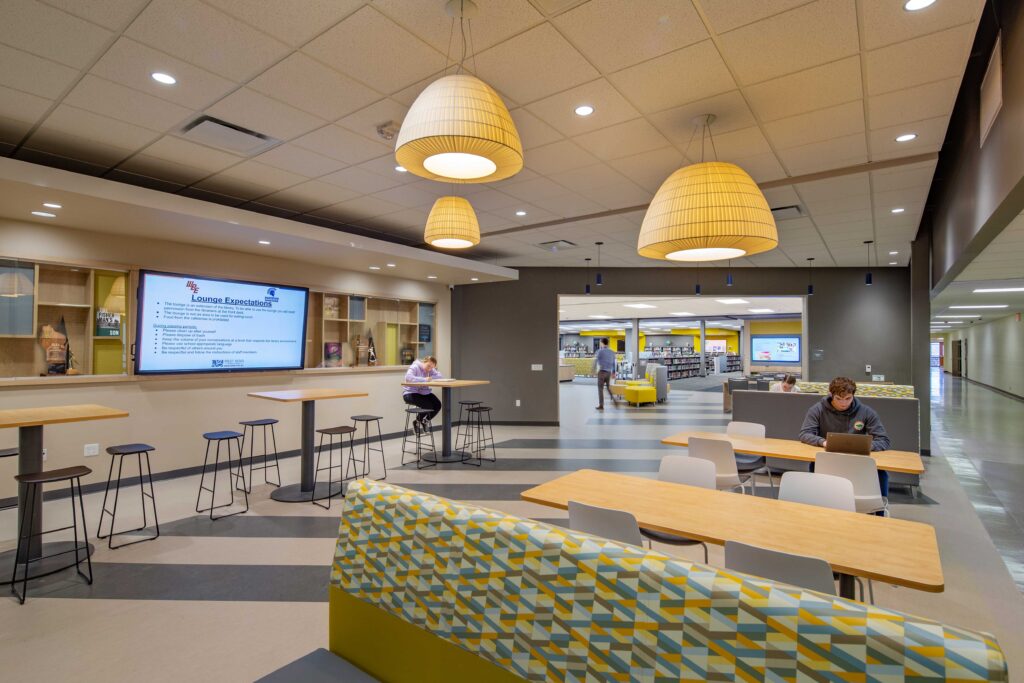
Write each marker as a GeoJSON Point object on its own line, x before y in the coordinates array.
{"type": "Point", "coordinates": [388, 130]}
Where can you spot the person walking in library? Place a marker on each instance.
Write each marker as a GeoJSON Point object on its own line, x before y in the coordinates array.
{"type": "Point", "coordinates": [422, 370]}
{"type": "Point", "coordinates": [604, 362]}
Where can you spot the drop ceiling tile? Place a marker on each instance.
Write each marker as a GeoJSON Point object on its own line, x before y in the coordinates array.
{"type": "Point", "coordinates": [291, 21]}
{"type": "Point", "coordinates": [558, 156]}
{"type": "Point", "coordinates": [496, 202]}
{"type": "Point", "coordinates": [730, 110]}
{"type": "Point", "coordinates": [360, 207]}
{"type": "Point", "coordinates": [207, 38]}
{"type": "Point", "coordinates": [47, 32]}
{"type": "Point", "coordinates": [610, 108]}
{"type": "Point", "coordinates": [152, 167]}
{"type": "Point", "coordinates": [309, 196]}
{"type": "Point", "coordinates": [375, 51]}
{"type": "Point", "coordinates": [649, 169]}
{"type": "Point", "coordinates": [360, 180]}
{"type": "Point", "coordinates": [817, 88]}
{"type": "Point", "coordinates": [291, 157]}
{"type": "Point", "coordinates": [111, 99]}
{"type": "Point", "coordinates": [761, 167]}
{"type": "Point", "coordinates": [188, 153]}
{"type": "Point", "coordinates": [904, 177]}
{"type": "Point", "coordinates": [100, 129]}
{"type": "Point", "coordinates": [570, 204]}
{"type": "Point", "coordinates": [534, 190]}
{"type": "Point", "coordinates": [804, 37]}
{"type": "Point", "coordinates": [838, 223]}
{"type": "Point", "coordinates": [930, 135]}
{"type": "Point", "coordinates": [490, 222]}
{"type": "Point", "coordinates": [695, 73]}
{"type": "Point", "coordinates": [250, 109]}
{"type": "Point", "coordinates": [885, 23]}
{"type": "Point", "coordinates": [913, 104]}
{"type": "Point", "coordinates": [588, 177]}
{"type": "Point", "coordinates": [366, 120]}
{"type": "Point", "coordinates": [738, 144]}
{"type": "Point", "coordinates": [523, 66]}
{"type": "Point", "coordinates": [856, 185]}
{"type": "Point", "coordinates": [342, 144]}
{"type": "Point", "coordinates": [414, 196]}
{"type": "Point", "coordinates": [20, 106]}
{"type": "Point", "coordinates": [79, 147]}
{"type": "Point", "coordinates": [726, 15]}
{"type": "Point", "coordinates": [619, 195]}
{"type": "Point", "coordinates": [623, 139]}
{"type": "Point", "coordinates": [131, 63]}
{"type": "Point", "coordinates": [782, 196]}
{"type": "Point", "coordinates": [846, 205]}
{"type": "Point", "coordinates": [385, 166]}
{"type": "Point", "coordinates": [615, 34]}
{"type": "Point", "coordinates": [496, 22]}
{"type": "Point", "coordinates": [533, 132]}
{"type": "Point", "coordinates": [34, 75]}
{"type": "Point", "coordinates": [112, 15]}
{"type": "Point", "coordinates": [817, 126]}
{"type": "Point", "coordinates": [260, 174]}
{"type": "Point", "coordinates": [904, 65]}
{"type": "Point", "coordinates": [308, 85]}
{"type": "Point", "coordinates": [234, 187]}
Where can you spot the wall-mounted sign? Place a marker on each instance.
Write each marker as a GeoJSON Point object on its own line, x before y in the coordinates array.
{"type": "Point", "coordinates": [424, 333]}
{"type": "Point", "coordinates": [817, 354]}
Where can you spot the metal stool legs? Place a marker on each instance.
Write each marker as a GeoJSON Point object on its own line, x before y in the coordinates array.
{"type": "Point", "coordinates": [418, 440]}
{"type": "Point", "coordinates": [117, 492]}
{"type": "Point", "coordinates": [331, 466]}
{"type": "Point", "coordinates": [481, 435]}
{"type": "Point", "coordinates": [367, 449]}
{"type": "Point", "coordinates": [266, 456]}
{"type": "Point", "coordinates": [240, 474]}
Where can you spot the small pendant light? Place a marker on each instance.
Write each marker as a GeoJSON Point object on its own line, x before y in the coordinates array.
{"type": "Point", "coordinates": [586, 289]}
{"type": "Point", "coordinates": [696, 290]}
{"type": "Point", "coordinates": [599, 280]}
{"type": "Point", "coordinates": [810, 283]}
{"type": "Point", "coordinates": [867, 275]}
{"type": "Point", "coordinates": [728, 275]}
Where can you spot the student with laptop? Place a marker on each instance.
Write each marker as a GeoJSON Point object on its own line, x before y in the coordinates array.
{"type": "Point", "coordinates": [840, 423]}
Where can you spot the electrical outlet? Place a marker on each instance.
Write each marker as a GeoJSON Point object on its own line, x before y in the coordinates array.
{"type": "Point", "coordinates": [44, 455]}
{"type": "Point", "coordinates": [867, 369]}
{"type": "Point", "coordinates": [517, 403]}
{"type": "Point", "coordinates": [92, 449]}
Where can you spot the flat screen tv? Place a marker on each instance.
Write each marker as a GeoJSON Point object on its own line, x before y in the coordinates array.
{"type": "Point", "coordinates": [765, 348]}
{"type": "Point", "coordinates": [187, 323]}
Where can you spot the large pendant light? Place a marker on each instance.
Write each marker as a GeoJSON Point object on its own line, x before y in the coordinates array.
{"type": "Point", "coordinates": [452, 224]}
{"type": "Point", "coordinates": [458, 130]}
{"type": "Point", "coordinates": [709, 211]}
{"type": "Point", "coordinates": [115, 301]}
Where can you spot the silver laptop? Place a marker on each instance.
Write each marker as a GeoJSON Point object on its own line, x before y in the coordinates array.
{"type": "Point", "coordinates": [857, 444]}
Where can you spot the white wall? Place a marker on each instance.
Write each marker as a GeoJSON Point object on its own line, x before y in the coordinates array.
{"type": "Point", "coordinates": [995, 353]}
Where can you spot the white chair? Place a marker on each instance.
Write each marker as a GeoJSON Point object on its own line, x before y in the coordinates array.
{"type": "Point", "coordinates": [797, 570]}
{"type": "Point", "coordinates": [683, 469]}
{"type": "Point", "coordinates": [616, 525]}
{"type": "Point", "coordinates": [862, 471]}
{"type": "Point", "coordinates": [750, 464]}
{"type": "Point", "coordinates": [720, 452]}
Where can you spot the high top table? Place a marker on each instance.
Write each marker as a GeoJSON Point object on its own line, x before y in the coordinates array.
{"type": "Point", "coordinates": [447, 454]}
{"type": "Point", "coordinates": [304, 491]}
{"type": "Point", "coordinates": [896, 551]}
{"type": "Point", "coordinates": [30, 423]}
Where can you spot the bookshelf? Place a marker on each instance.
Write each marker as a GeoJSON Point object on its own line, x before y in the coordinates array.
{"type": "Point", "coordinates": [341, 326]}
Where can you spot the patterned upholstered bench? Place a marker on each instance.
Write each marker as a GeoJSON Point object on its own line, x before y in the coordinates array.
{"type": "Point", "coordinates": [426, 589]}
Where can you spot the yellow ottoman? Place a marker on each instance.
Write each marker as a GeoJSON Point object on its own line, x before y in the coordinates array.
{"type": "Point", "coordinates": [641, 394]}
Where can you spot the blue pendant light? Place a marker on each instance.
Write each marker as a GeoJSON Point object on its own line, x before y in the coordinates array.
{"type": "Point", "coordinates": [586, 289]}
{"type": "Point", "coordinates": [867, 276]}
{"type": "Point", "coordinates": [810, 284]}
{"type": "Point", "coordinates": [599, 280]}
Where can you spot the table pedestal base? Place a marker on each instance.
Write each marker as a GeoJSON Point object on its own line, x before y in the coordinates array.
{"type": "Point", "coordinates": [293, 493]}
{"type": "Point", "coordinates": [50, 565]}
{"type": "Point", "coordinates": [440, 458]}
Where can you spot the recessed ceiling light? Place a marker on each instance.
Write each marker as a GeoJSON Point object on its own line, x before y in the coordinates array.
{"type": "Point", "coordinates": [976, 315]}
{"type": "Point", "coordinates": [893, 253]}
{"type": "Point", "coordinates": [760, 310]}
{"type": "Point", "coordinates": [52, 205]}
{"type": "Point", "coordinates": [915, 5]}
{"type": "Point", "coordinates": [983, 306]}
{"type": "Point", "coordinates": [584, 110]}
{"type": "Point", "coordinates": [44, 214]}
{"type": "Point", "coordinates": [161, 77]}
{"type": "Point", "coordinates": [390, 265]}
{"type": "Point", "coordinates": [893, 263]}
{"type": "Point", "coordinates": [601, 317]}
{"type": "Point", "coordinates": [431, 277]}
{"type": "Point", "coordinates": [683, 313]}
{"type": "Point", "coordinates": [474, 279]}
{"type": "Point", "coordinates": [999, 289]}
{"type": "Point", "coordinates": [520, 213]}
{"type": "Point", "coordinates": [732, 301]}
{"type": "Point", "coordinates": [264, 242]}
{"type": "Point", "coordinates": [639, 306]}
{"type": "Point", "coordinates": [906, 137]}
{"type": "Point", "coordinates": [374, 267]}
{"type": "Point", "coordinates": [401, 169]}
{"type": "Point", "coordinates": [898, 210]}
{"type": "Point", "coordinates": [561, 311]}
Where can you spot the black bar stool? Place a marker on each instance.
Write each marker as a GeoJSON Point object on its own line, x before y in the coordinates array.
{"type": "Point", "coordinates": [330, 433]}
{"type": "Point", "coordinates": [480, 437]}
{"type": "Point", "coordinates": [367, 448]}
{"type": "Point", "coordinates": [264, 423]}
{"type": "Point", "coordinates": [34, 483]}
{"type": "Point", "coordinates": [220, 437]}
{"type": "Point", "coordinates": [8, 452]}
{"type": "Point", "coordinates": [411, 414]}
{"type": "Point", "coordinates": [118, 452]}
{"type": "Point", "coordinates": [463, 428]}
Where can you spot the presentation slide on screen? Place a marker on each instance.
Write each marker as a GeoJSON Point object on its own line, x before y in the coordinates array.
{"type": "Point", "coordinates": [191, 324]}
{"type": "Point", "coordinates": [775, 349]}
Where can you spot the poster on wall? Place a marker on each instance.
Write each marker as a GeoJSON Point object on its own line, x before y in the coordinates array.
{"type": "Point", "coordinates": [716, 345]}
{"type": "Point", "coordinates": [775, 349]}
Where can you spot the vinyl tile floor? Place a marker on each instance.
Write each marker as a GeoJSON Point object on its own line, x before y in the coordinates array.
{"type": "Point", "coordinates": [237, 598]}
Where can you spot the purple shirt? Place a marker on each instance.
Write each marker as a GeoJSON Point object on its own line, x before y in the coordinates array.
{"type": "Point", "coordinates": [417, 372]}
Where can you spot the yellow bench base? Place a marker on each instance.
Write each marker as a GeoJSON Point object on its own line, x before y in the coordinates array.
{"type": "Point", "coordinates": [641, 394]}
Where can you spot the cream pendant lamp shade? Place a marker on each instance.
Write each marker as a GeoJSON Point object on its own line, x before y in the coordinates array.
{"type": "Point", "coordinates": [708, 211]}
{"type": "Point", "coordinates": [452, 224]}
{"type": "Point", "coordinates": [459, 131]}
{"type": "Point", "coordinates": [115, 300]}
{"type": "Point", "coordinates": [14, 284]}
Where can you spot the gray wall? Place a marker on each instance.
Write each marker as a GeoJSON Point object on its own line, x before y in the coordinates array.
{"type": "Point", "coordinates": [500, 329]}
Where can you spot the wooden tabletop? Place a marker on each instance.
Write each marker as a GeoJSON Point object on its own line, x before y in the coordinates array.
{"type": "Point", "coordinates": [33, 417]}
{"type": "Point", "coordinates": [892, 550]}
{"type": "Point", "coordinates": [293, 395]}
{"type": "Point", "coordinates": [452, 383]}
{"type": "Point", "coordinates": [891, 461]}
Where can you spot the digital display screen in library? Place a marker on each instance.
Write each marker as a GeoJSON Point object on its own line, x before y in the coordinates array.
{"type": "Point", "coordinates": [775, 348]}
{"type": "Point", "coordinates": [187, 323]}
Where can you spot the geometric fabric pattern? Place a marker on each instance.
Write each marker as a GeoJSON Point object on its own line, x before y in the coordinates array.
{"type": "Point", "coordinates": [886, 390]}
{"type": "Point", "coordinates": [550, 604]}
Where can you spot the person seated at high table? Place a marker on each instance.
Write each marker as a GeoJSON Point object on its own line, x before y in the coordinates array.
{"type": "Point", "coordinates": [422, 370]}
{"type": "Point", "coordinates": [841, 412]}
{"type": "Point", "coordinates": [787, 385]}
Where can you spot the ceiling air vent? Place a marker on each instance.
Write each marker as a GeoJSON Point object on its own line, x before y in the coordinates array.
{"type": "Point", "coordinates": [213, 132]}
{"type": "Point", "coordinates": [785, 213]}
{"type": "Point", "coordinates": [557, 245]}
